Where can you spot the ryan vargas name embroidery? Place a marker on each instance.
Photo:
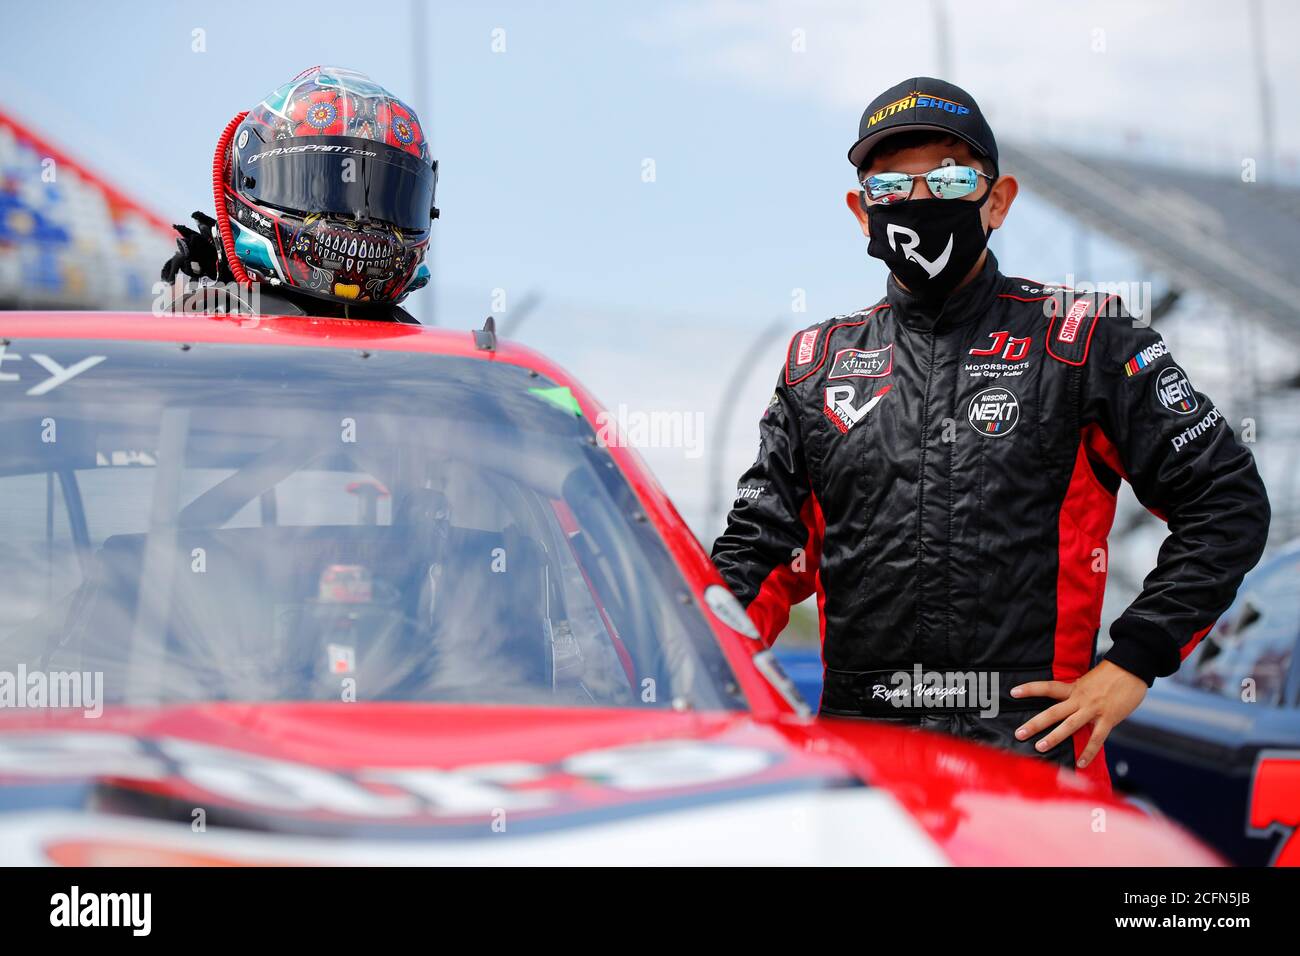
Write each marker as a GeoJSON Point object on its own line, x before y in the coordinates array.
{"type": "Point", "coordinates": [994, 412]}
{"type": "Point", "coordinates": [863, 363]}
{"type": "Point", "coordinates": [1174, 391]}
{"type": "Point", "coordinates": [842, 411]}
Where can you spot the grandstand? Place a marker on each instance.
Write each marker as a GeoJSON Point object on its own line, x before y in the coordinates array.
{"type": "Point", "coordinates": [68, 239]}
{"type": "Point", "coordinates": [1224, 246]}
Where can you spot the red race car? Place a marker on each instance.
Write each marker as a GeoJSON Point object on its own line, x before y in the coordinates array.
{"type": "Point", "coordinates": [294, 590]}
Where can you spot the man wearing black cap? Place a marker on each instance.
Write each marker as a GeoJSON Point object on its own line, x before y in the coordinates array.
{"type": "Point", "coordinates": [941, 470]}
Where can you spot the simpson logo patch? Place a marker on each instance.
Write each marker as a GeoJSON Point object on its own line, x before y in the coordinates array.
{"type": "Point", "coordinates": [1144, 358]}
{"type": "Point", "coordinates": [1174, 391]}
{"type": "Point", "coordinates": [994, 412]}
{"type": "Point", "coordinates": [863, 363]}
{"type": "Point", "coordinates": [1073, 319]}
{"type": "Point", "coordinates": [806, 343]}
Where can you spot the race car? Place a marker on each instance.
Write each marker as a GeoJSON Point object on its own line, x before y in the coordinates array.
{"type": "Point", "coordinates": [290, 590]}
{"type": "Point", "coordinates": [1217, 746]}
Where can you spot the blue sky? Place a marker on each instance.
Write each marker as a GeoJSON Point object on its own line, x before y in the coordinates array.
{"type": "Point", "coordinates": [650, 290]}
{"type": "Point", "coordinates": [542, 146]}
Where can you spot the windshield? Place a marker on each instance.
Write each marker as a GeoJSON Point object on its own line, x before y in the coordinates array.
{"type": "Point", "coordinates": [231, 523]}
{"type": "Point", "coordinates": [1255, 640]}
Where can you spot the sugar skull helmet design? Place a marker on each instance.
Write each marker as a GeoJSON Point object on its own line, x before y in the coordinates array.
{"type": "Point", "coordinates": [326, 187]}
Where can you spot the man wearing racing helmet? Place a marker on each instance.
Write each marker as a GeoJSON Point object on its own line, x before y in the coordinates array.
{"type": "Point", "coordinates": [941, 470]}
{"type": "Point", "coordinates": [324, 196]}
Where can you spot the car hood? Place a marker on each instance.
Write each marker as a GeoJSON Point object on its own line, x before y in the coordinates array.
{"type": "Point", "coordinates": [438, 783]}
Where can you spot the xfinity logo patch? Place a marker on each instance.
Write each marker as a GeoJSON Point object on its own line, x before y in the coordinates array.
{"type": "Point", "coordinates": [1175, 392]}
{"type": "Point", "coordinates": [863, 363]}
{"type": "Point", "coordinates": [841, 410]}
{"type": "Point", "coordinates": [994, 412]}
{"type": "Point", "coordinates": [910, 241]}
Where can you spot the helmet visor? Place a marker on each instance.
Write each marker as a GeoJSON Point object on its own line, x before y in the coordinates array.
{"type": "Point", "coordinates": [343, 175]}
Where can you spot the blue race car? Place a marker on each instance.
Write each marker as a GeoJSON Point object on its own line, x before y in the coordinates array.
{"type": "Point", "coordinates": [1217, 746]}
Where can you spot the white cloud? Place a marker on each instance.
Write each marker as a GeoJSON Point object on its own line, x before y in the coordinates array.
{"type": "Point", "coordinates": [1177, 74]}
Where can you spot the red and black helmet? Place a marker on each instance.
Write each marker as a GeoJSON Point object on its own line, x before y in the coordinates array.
{"type": "Point", "coordinates": [326, 187]}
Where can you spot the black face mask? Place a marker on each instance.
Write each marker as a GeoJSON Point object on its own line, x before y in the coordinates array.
{"type": "Point", "coordinates": [929, 244]}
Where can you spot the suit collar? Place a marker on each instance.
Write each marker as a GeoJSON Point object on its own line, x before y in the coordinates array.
{"type": "Point", "coordinates": [971, 300]}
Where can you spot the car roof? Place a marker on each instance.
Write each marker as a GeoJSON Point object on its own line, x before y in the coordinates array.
{"type": "Point", "coordinates": [274, 330]}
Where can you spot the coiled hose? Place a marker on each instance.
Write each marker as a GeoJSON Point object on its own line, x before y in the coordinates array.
{"type": "Point", "coordinates": [219, 188]}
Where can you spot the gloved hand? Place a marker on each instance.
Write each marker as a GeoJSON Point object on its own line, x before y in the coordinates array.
{"type": "Point", "coordinates": [196, 252]}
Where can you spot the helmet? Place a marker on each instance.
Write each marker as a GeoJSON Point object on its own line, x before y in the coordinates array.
{"type": "Point", "coordinates": [326, 188]}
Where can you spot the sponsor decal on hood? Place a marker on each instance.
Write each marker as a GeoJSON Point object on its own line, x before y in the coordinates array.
{"type": "Point", "coordinates": [169, 776]}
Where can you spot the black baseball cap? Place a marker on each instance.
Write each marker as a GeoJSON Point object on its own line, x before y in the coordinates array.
{"type": "Point", "coordinates": [924, 103]}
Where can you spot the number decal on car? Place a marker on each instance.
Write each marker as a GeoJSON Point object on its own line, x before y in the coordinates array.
{"type": "Point", "coordinates": [1275, 802]}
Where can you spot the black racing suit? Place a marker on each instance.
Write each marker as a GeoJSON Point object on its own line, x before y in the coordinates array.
{"type": "Point", "coordinates": [945, 481]}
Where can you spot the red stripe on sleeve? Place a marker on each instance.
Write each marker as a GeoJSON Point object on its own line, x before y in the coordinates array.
{"type": "Point", "coordinates": [785, 586]}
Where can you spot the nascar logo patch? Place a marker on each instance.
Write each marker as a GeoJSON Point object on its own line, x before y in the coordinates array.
{"type": "Point", "coordinates": [1144, 358]}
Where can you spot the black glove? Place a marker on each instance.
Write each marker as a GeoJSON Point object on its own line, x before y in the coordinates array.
{"type": "Point", "coordinates": [196, 252]}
